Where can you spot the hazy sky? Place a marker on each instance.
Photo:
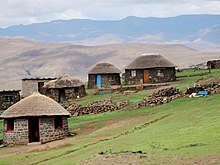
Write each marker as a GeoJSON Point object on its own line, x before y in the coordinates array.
{"type": "Point", "coordinates": [14, 12]}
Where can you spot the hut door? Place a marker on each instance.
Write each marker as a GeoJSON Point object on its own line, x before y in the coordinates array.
{"type": "Point", "coordinates": [98, 81]}
{"type": "Point", "coordinates": [62, 96]}
{"type": "Point", "coordinates": [146, 76]}
{"type": "Point", "coordinates": [33, 129]}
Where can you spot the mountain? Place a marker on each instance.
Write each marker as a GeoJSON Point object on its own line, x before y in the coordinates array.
{"type": "Point", "coordinates": [21, 58]}
{"type": "Point", "coordinates": [197, 31]}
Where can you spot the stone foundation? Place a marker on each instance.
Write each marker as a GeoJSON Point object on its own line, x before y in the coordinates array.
{"type": "Point", "coordinates": [4, 104]}
{"type": "Point", "coordinates": [107, 80]}
{"type": "Point", "coordinates": [156, 75]}
{"type": "Point", "coordinates": [70, 93]}
{"type": "Point", "coordinates": [46, 130]}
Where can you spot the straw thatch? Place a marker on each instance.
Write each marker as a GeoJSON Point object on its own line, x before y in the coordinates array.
{"type": "Point", "coordinates": [104, 68]}
{"type": "Point", "coordinates": [35, 105]}
{"type": "Point", "coordinates": [150, 61]}
{"type": "Point", "coordinates": [64, 81]}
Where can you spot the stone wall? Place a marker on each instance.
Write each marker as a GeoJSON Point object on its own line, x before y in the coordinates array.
{"type": "Point", "coordinates": [156, 75]}
{"type": "Point", "coordinates": [29, 86]}
{"type": "Point", "coordinates": [162, 75]}
{"type": "Point", "coordinates": [106, 79]}
{"type": "Point", "coordinates": [20, 133]}
{"type": "Point", "coordinates": [15, 98]}
{"type": "Point", "coordinates": [70, 93]}
{"type": "Point", "coordinates": [91, 81]}
{"type": "Point", "coordinates": [47, 131]}
{"type": "Point", "coordinates": [129, 80]}
{"type": "Point", "coordinates": [215, 64]}
{"type": "Point", "coordinates": [110, 79]}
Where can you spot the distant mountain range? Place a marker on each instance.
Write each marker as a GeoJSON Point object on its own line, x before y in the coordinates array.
{"type": "Point", "coordinates": [197, 31]}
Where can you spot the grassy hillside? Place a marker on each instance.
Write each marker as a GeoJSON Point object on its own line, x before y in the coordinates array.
{"type": "Point", "coordinates": [185, 129]}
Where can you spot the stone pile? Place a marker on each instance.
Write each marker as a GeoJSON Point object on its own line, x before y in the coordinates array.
{"type": "Point", "coordinates": [160, 97]}
{"type": "Point", "coordinates": [96, 107]}
{"type": "Point", "coordinates": [211, 88]}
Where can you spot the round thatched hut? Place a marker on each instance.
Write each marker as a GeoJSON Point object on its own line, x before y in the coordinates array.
{"type": "Point", "coordinates": [36, 118]}
{"type": "Point", "coordinates": [64, 88]}
{"type": "Point", "coordinates": [150, 68]}
{"type": "Point", "coordinates": [103, 75]}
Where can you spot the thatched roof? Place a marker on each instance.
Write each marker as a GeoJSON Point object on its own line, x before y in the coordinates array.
{"type": "Point", "coordinates": [35, 105]}
{"type": "Point", "coordinates": [104, 68]}
{"type": "Point", "coordinates": [150, 61]}
{"type": "Point", "coordinates": [64, 81]}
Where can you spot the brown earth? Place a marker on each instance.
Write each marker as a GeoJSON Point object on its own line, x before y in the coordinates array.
{"type": "Point", "coordinates": [142, 159]}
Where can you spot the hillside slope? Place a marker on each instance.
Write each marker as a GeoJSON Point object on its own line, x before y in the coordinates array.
{"type": "Point", "coordinates": [184, 130]}
{"type": "Point", "coordinates": [22, 58]}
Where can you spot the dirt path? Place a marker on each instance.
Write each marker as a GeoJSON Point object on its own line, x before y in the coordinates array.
{"type": "Point", "coordinates": [19, 149]}
{"type": "Point", "coordinates": [142, 159]}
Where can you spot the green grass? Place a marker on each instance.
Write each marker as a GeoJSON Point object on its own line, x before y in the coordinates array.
{"type": "Point", "coordinates": [183, 127]}
{"type": "Point", "coordinates": [133, 97]}
{"type": "Point", "coordinates": [191, 128]}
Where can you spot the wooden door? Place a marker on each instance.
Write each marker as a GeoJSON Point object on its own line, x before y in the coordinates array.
{"type": "Point", "coordinates": [99, 81]}
{"type": "Point", "coordinates": [146, 76]}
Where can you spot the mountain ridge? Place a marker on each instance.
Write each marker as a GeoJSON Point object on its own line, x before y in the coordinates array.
{"type": "Point", "coordinates": [196, 31]}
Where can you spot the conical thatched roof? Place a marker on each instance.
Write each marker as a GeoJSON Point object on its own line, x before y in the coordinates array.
{"type": "Point", "coordinates": [104, 68]}
{"type": "Point", "coordinates": [150, 61]}
{"type": "Point", "coordinates": [64, 81]}
{"type": "Point", "coordinates": [35, 105]}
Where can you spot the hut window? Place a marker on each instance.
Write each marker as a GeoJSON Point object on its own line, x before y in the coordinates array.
{"type": "Point", "coordinates": [133, 73]}
{"type": "Point", "coordinates": [58, 122]}
{"type": "Point", "coordinates": [10, 124]}
{"type": "Point", "coordinates": [8, 99]}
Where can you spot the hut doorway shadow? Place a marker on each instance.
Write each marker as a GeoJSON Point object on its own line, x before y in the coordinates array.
{"type": "Point", "coordinates": [62, 96]}
{"type": "Point", "coordinates": [33, 129]}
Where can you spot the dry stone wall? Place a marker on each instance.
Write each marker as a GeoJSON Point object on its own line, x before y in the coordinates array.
{"type": "Point", "coordinates": [211, 88]}
{"type": "Point", "coordinates": [160, 97]}
{"type": "Point", "coordinates": [95, 107]}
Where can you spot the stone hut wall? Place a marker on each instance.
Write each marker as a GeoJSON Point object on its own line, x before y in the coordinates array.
{"type": "Point", "coordinates": [70, 93]}
{"type": "Point", "coordinates": [20, 133]}
{"type": "Point", "coordinates": [156, 75]}
{"type": "Point", "coordinates": [47, 131]}
{"type": "Point", "coordinates": [91, 81]}
{"type": "Point", "coordinates": [129, 80]}
{"type": "Point", "coordinates": [215, 64]}
{"type": "Point", "coordinates": [5, 104]}
{"type": "Point", "coordinates": [29, 86]}
{"type": "Point", "coordinates": [160, 75]}
{"type": "Point", "coordinates": [106, 79]}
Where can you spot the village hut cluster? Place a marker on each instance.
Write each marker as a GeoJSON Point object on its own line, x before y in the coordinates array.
{"type": "Point", "coordinates": [40, 118]}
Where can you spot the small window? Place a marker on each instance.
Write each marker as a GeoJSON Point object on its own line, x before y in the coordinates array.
{"type": "Point", "coordinates": [58, 122]}
{"type": "Point", "coordinates": [8, 99]}
{"type": "Point", "coordinates": [133, 73]}
{"type": "Point", "coordinates": [10, 124]}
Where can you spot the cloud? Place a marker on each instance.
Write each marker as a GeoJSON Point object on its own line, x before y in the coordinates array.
{"type": "Point", "coordinates": [14, 12]}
